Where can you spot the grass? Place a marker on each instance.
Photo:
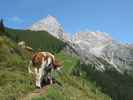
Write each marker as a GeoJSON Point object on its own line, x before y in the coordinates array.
{"type": "Point", "coordinates": [14, 79]}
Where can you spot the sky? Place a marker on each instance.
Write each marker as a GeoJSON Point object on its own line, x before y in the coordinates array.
{"type": "Point", "coordinates": [114, 17]}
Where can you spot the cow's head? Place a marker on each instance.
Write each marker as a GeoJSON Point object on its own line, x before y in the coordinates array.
{"type": "Point", "coordinates": [57, 65]}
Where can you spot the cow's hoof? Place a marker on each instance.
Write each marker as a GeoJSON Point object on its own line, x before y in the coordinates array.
{"type": "Point", "coordinates": [38, 87]}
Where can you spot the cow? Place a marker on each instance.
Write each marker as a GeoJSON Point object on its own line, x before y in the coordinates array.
{"type": "Point", "coordinates": [43, 63]}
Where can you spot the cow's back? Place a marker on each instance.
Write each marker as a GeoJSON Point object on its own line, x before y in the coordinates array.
{"type": "Point", "coordinates": [37, 58]}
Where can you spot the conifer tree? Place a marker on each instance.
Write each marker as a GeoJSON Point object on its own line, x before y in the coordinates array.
{"type": "Point", "coordinates": [2, 28]}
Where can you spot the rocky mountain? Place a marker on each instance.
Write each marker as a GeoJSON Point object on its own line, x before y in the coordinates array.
{"type": "Point", "coordinates": [100, 49]}
{"type": "Point", "coordinates": [51, 25]}
{"type": "Point", "coordinates": [94, 42]}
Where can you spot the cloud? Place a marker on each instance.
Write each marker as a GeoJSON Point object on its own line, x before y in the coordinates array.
{"type": "Point", "coordinates": [15, 19]}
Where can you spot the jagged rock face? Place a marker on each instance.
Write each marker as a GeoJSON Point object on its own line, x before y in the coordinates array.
{"type": "Point", "coordinates": [92, 42]}
{"type": "Point", "coordinates": [51, 25]}
{"type": "Point", "coordinates": [120, 56]}
{"type": "Point", "coordinates": [100, 49]}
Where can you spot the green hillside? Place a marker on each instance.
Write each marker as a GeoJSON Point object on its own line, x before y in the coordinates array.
{"type": "Point", "coordinates": [37, 40]}
{"type": "Point", "coordinates": [14, 79]}
{"type": "Point", "coordinates": [117, 86]}
{"type": "Point", "coordinates": [15, 82]}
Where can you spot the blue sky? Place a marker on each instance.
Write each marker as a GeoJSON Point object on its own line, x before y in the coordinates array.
{"type": "Point", "coordinates": [112, 16]}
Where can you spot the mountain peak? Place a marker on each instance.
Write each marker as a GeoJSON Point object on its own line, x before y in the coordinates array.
{"type": "Point", "coordinates": [50, 24]}
{"type": "Point", "coordinates": [49, 20]}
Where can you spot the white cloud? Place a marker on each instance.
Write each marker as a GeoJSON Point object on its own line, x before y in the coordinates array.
{"type": "Point", "coordinates": [15, 19]}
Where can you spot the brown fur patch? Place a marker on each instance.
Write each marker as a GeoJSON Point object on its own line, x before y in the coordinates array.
{"type": "Point", "coordinates": [37, 59]}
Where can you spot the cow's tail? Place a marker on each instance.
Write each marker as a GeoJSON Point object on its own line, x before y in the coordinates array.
{"type": "Point", "coordinates": [29, 67]}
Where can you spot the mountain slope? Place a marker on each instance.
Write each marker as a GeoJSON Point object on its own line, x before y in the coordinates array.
{"type": "Point", "coordinates": [117, 86]}
{"type": "Point", "coordinates": [98, 48]}
{"type": "Point", "coordinates": [106, 62]}
{"type": "Point", "coordinates": [37, 40]}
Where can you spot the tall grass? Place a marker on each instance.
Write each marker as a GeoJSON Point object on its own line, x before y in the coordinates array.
{"type": "Point", "coordinates": [14, 79]}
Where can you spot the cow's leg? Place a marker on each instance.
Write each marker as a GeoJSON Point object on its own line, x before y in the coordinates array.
{"type": "Point", "coordinates": [51, 80]}
{"type": "Point", "coordinates": [39, 77]}
{"type": "Point", "coordinates": [40, 74]}
{"type": "Point", "coordinates": [50, 65]}
{"type": "Point", "coordinates": [50, 76]}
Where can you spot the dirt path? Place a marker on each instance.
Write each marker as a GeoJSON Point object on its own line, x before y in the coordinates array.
{"type": "Point", "coordinates": [36, 92]}
{"type": "Point", "coordinates": [39, 92]}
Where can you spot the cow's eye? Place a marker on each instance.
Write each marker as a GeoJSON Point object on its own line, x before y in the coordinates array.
{"type": "Point", "coordinates": [50, 65]}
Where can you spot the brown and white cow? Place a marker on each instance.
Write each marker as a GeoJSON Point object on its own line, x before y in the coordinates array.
{"type": "Point", "coordinates": [40, 61]}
